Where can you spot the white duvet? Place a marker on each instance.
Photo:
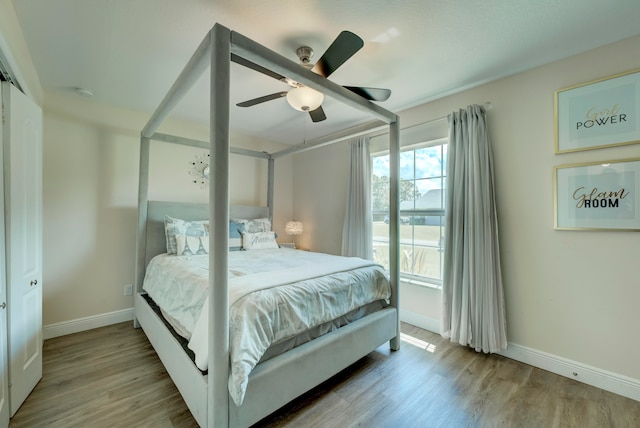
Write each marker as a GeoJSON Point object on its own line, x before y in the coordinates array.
{"type": "Point", "coordinates": [274, 295]}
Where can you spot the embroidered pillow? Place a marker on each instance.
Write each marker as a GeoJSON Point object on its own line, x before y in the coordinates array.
{"type": "Point", "coordinates": [192, 245]}
{"type": "Point", "coordinates": [176, 226]}
{"type": "Point", "coordinates": [259, 240]}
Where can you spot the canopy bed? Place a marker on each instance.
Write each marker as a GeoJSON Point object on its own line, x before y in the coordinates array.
{"type": "Point", "coordinates": [275, 381]}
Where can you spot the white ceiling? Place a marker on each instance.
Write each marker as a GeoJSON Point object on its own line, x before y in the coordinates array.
{"type": "Point", "coordinates": [129, 52]}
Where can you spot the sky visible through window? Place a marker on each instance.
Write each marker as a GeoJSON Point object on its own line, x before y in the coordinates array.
{"type": "Point", "coordinates": [429, 162]}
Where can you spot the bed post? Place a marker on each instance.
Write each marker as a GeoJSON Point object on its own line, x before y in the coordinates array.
{"type": "Point", "coordinates": [218, 377]}
{"type": "Point", "coordinates": [394, 225]}
{"type": "Point", "coordinates": [270, 185]}
{"type": "Point", "coordinates": [143, 196]}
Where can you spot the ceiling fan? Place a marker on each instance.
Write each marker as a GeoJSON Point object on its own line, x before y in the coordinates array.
{"type": "Point", "coordinates": [303, 98]}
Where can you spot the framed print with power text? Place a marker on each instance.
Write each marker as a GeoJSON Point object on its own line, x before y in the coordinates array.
{"type": "Point", "coordinates": [598, 114]}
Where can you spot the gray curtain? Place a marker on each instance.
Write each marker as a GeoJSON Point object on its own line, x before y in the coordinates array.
{"type": "Point", "coordinates": [357, 232]}
{"type": "Point", "coordinates": [472, 295]}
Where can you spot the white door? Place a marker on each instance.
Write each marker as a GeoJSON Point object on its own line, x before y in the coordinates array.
{"type": "Point", "coordinates": [22, 140]}
{"type": "Point", "coordinates": [4, 370]}
{"type": "Point", "coordinates": [4, 366]}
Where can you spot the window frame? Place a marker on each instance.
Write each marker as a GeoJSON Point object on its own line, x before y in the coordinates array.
{"type": "Point", "coordinates": [408, 277]}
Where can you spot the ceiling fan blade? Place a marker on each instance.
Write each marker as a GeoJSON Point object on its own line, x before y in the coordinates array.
{"type": "Point", "coordinates": [372, 94]}
{"type": "Point", "coordinates": [263, 99]}
{"type": "Point", "coordinates": [342, 48]}
{"type": "Point", "coordinates": [317, 115]}
{"type": "Point", "coordinates": [238, 60]}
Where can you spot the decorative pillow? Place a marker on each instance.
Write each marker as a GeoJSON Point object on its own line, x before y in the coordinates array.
{"type": "Point", "coordinates": [235, 236]}
{"type": "Point", "coordinates": [176, 226]}
{"type": "Point", "coordinates": [254, 225]}
{"type": "Point", "coordinates": [192, 245]}
{"type": "Point", "coordinates": [259, 240]}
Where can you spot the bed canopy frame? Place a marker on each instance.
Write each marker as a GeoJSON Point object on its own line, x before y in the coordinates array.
{"type": "Point", "coordinates": [217, 49]}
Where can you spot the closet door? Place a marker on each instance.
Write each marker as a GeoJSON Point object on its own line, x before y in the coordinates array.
{"type": "Point", "coordinates": [4, 366]}
{"type": "Point", "coordinates": [4, 374]}
{"type": "Point", "coordinates": [22, 141]}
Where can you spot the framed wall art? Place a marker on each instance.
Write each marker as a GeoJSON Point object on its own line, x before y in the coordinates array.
{"type": "Point", "coordinates": [598, 114]}
{"type": "Point", "coordinates": [603, 195]}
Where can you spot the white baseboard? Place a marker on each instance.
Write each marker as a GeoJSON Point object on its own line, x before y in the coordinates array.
{"type": "Point", "coordinates": [88, 323]}
{"type": "Point", "coordinates": [421, 321]}
{"type": "Point", "coordinates": [609, 381]}
{"type": "Point", "coordinates": [612, 382]}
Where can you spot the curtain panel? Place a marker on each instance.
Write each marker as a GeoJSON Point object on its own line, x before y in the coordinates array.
{"type": "Point", "coordinates": [357, 232]}
{"type": "Point", "coordinates": [473, 311]}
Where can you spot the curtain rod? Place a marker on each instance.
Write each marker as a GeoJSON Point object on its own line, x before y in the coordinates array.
{"type": "Point", "coordinates": [486, 105]}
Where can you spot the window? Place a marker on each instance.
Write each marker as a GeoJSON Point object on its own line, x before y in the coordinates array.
{"type": "Point", "coordinates": [422, 228]}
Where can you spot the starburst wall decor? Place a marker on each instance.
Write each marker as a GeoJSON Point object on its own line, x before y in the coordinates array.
{"type": "Point", "coordinates": [200, 170]}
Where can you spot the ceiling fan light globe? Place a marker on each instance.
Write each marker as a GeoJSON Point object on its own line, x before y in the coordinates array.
{"type": "Point", "coordinates": [304, 98]}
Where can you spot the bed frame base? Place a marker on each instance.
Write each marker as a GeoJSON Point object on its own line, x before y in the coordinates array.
{"type": "Point", "coordinates": [285, 377]}
{"type": "Point", "coordinates": [184, 373]}
{"type": "Point", "coordinates": [277, 381]}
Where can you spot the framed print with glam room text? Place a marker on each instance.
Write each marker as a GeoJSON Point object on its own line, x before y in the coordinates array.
{"type": "Point", "coordinates": [598, 114]}
{"type": "Point", "coordinates": [598, 195]}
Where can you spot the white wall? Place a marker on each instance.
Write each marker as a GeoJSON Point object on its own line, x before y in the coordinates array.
{"type": "Point", "coordinates": [320, 196]}
{"type": "Point", "coordinates": [571, 295]}
{"type": "Point", "coordinates": [90, 199]}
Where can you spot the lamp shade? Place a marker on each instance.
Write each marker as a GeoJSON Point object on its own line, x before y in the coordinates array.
{"type": "Point", "coordinates": [293, 228]}
{"type": "Point", "coordinates": [304, 99]}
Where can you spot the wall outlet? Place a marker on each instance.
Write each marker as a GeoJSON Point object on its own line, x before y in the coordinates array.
{"type": "Point", "coordinates": [128, 290]}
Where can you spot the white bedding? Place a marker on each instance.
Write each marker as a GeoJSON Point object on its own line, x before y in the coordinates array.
{"type": "Point", "coordinates": [316, 288]}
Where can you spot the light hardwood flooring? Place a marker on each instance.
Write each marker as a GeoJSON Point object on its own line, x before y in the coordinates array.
{"type": "Point", "coordinates": [111, 377]}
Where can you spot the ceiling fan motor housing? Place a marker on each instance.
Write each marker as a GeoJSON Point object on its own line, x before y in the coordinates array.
{"type": "Point", "coordinates": [305, 53]}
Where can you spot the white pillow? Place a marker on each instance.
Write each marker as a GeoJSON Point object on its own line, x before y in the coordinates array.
{"type": "Point", "coordinates": [259, 241]}
{"type": "Point", "coordinates": [192, 245]}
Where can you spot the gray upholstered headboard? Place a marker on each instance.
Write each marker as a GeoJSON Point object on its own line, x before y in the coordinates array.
{"type": "Point", "coordinates": [156, 210]}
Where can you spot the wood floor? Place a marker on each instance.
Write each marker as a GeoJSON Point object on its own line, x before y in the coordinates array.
{"type": "Point", "coordinates": [111, 377]}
